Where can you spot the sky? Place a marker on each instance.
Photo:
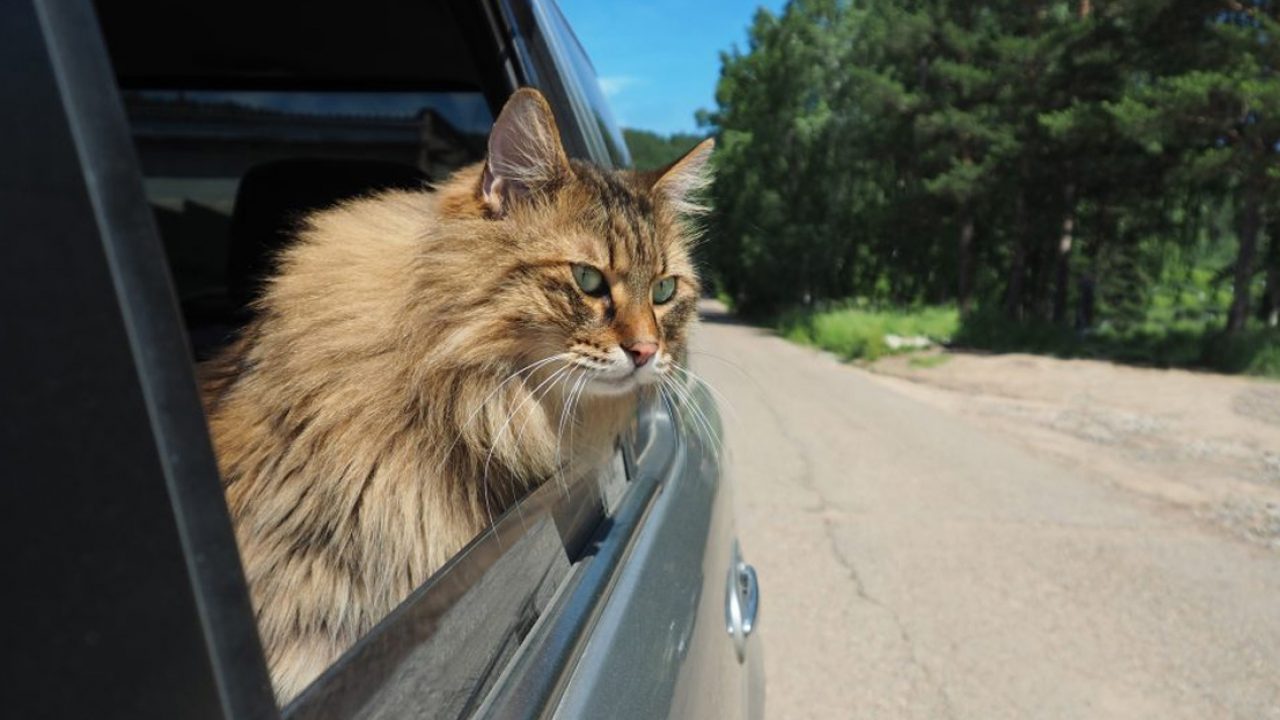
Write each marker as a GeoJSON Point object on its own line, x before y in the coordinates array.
{"type": "Point", "coordinates": [658, 62]}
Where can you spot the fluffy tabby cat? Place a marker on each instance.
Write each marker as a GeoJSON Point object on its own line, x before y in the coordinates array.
{"type": "Point", "coordinates": [412, 364]}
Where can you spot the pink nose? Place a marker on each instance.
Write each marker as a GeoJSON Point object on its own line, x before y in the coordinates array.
{"type": "Point", "coordinates": [640, 352]}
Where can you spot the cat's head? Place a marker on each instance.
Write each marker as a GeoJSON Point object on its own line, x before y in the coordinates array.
{"type": "Point", "coordinates": [601, 260]}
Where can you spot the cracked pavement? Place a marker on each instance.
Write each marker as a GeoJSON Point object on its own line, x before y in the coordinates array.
{"type": "Point", "coordinates": [916, 565]}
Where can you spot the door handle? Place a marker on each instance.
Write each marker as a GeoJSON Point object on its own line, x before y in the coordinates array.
{"type": "Point", "coordinates": [742, 602]}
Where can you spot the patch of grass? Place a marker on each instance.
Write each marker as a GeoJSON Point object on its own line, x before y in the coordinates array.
{"type": "Point", "coordinates": [1173, 343]}
{"type": "Point", "coordinates": [858, 333]}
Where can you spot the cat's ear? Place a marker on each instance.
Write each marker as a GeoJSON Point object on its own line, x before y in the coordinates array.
{"type": "Point", "coordinates": [682, 181]}
{"type": "Point", "coordinates": [525, 155]}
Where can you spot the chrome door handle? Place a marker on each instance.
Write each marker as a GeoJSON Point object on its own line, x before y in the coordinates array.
{"type": "Point", "coordinates": [742, 602]}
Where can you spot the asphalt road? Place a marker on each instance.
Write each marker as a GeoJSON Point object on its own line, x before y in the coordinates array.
{"type": "Point", "coordinates": [916, 566]}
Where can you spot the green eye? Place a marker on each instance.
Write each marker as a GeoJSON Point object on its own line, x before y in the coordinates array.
{"type": "Point", "coordinates": [590, 280]}
{"type": "Point", "coordinates": [664, 290]}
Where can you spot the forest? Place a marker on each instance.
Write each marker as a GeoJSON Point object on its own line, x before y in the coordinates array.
{"type": "Point", "coordinates": [1083, 177]}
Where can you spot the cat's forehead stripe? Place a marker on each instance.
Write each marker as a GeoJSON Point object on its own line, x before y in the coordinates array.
{"type": "Point", "coordinates": [628, 229]}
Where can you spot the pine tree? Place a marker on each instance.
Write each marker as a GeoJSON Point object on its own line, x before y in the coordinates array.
{"type": "Point", "coordinates": [1215, 105]}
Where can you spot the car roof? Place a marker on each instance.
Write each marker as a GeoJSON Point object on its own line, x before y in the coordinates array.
{"type": "Point", "coordinates": [255, 44]}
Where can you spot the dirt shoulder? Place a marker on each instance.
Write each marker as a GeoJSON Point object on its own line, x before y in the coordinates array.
{"type": "Point", "coordinates": [1202, 443]}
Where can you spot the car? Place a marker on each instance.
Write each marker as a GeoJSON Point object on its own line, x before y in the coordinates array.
{"type": "Point", "coordinates": [152, 157]}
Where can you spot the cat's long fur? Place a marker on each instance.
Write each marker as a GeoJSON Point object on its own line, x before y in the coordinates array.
{"type": "Point", "coordinates": [373, 418]}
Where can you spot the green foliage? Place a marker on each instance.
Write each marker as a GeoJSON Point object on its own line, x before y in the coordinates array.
{"type": "Point", "coordinates": [1185, 344]}
{"type": "Point", "coordinates": [859, 333]}
{"type": "Point", "coordinates": [1075, 169]}
{"type": "Point", "coordinates": [1255, 352]}
{"type": "Point", "coordinates": [651, 151]}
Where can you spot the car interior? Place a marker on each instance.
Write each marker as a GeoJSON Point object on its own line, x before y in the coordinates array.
{"type": "Point", "coordinates": [237, 143]}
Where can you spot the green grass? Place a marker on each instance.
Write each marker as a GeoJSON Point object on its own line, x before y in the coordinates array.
{"type": "Point", "coordinates": [1174, 343]}
{"type": "Point", "coordinates": [858, 333]}
{"type": "Point", "coordinates": [855, 331]}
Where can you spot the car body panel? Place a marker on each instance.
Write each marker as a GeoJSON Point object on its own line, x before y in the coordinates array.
{"type": "Point", "coordinates": [658, 648]}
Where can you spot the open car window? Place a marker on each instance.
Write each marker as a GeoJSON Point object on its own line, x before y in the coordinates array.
{"type": "Point", "coordinates": [234, 146]}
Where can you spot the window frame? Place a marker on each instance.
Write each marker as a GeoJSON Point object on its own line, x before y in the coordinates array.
{"type": "Point", "coordinates": [139, 600]}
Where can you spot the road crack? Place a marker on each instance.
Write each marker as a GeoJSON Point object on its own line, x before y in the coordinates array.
{"type": "Point", "coordinates": [821, 508]}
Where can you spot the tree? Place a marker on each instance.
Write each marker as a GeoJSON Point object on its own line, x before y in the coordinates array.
{"type": "Point", "coordinates": [1011, 154]}
{"type": "Point", "coordinates": [1215, 105]}
{"type": "Point", "coordinates": [650, 151]}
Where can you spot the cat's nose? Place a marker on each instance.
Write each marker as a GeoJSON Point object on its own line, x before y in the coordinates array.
{"type": "Point", "coordinates": [640, 352]}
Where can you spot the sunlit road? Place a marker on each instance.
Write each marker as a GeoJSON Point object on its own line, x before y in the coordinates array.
{"type": "Point", "coordinates": [914, 566]}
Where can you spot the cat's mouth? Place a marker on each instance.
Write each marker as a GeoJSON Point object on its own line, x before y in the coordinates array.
{"type": "Point", "coordinates": [618, 381]}
{"type": "Point", "coordinates": [612, 387]}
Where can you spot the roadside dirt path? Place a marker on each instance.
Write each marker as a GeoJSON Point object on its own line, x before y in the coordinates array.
{"type": "Point", "coordinates": [1205, 443]}
{"type": "Point", "coordinates": [1008, 545]}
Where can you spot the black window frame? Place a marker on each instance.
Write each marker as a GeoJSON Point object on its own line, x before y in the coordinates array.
{"type": "Point", "coordinates": [134, 599]}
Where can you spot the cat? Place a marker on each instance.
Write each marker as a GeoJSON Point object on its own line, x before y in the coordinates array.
{"type": "Point", "coordinates": [365, 423]}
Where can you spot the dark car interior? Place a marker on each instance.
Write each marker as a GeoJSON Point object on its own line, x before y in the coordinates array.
{"type": "Point", "coordinates": [238, 142]}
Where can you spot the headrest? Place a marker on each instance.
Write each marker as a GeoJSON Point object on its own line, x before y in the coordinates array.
{"type": "Point", "coordinates": [274, 197]}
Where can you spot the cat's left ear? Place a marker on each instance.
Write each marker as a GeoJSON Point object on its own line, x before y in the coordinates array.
{"type": "Point", "coordinates": [525, 155]}
{"type": "Point", "coordinates": [682, 180]}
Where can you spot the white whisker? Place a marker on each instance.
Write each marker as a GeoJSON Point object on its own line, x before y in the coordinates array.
{"type": "Point", "coordinates": [566, 410]}
{"type": "Point", "coordinates": [664, 395]}
{"type": "Point", "coordinates": [474, 413]}
{"type": "Point", "coordinates": [575, 397]}
{"type": "Point", "coordinates": [714, 390]}
{"type": "Point", "coordinates": [493, 442]}
{"type": "Point", "coordinates": [699, 417]}
{"type": "Point", "coordinates": [742, 371]}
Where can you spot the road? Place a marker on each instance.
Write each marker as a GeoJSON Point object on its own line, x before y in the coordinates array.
{"type": "Point", "coordinates": [917, 565]}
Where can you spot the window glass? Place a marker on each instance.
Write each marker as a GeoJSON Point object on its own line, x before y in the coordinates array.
{"type": "Point", "coordinates": [596, 101]}
{"type": "Point", "coordinates": [591, 99]}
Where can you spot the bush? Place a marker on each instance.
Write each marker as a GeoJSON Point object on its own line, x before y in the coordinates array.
{"type": "Point", "coordinates": [1187, 343]}
{"type": "Point", "coordinates": [1253, 352]}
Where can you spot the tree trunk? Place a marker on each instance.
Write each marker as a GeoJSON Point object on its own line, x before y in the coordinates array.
{"type": "Point", "coordinates": [964, 262]}
{"type": "Point", "coordinates": [1017, 263]}
{"type": "Point", "coordinates": [1249, 223]}
{"type": "Point", "coordinates": [1062, 259]}
{"type": "Point", "coordinates": [1099, 241]}
{"type": "Point", "coordinates": [1271, 295]}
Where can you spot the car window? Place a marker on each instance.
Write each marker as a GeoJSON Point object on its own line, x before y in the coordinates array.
{"type": "Point", "coordinates": [234, 145]}
{"type": "Point", "coordinates": [588, 98]}
{"type": "Point", "coordinates": [197, 145]}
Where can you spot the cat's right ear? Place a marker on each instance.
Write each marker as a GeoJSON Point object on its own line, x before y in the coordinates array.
{"type": "Point", "coordinates": [525, 155]}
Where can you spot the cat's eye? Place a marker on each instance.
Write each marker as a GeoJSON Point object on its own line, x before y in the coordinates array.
{"type": "Point", "coordinates": [664, 290]}
{"type": "Point", "coordinates": [590, 280]}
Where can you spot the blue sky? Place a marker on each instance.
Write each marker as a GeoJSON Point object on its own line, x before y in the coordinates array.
{"type": "Point", "coordinates": [659, 61]}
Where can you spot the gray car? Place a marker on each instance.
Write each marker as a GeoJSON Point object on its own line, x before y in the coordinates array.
{"type": "Point", "coordinates": [154, 157]}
